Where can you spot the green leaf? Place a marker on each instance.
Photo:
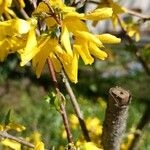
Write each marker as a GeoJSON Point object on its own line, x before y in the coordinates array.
{"type": "Point", "coordinates": [47, 98]}
{"type": "Point", "coordinates": [57, 103]}
{"type": "Point", "coordinates": [8, 117]}
{"type": "Point", "coordinates": [55, 100]}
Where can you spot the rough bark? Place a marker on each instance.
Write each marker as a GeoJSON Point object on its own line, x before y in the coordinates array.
{"type": "Point", "coordinates": [115, 118]}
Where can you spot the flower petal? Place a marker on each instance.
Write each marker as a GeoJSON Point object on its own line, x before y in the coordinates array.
{"type": "Point", "coordinates": [13, 27]}
{"type": "Point", "coordinates": [89, 37]}
{"type": "Point", "coordinates": [99, 14]}
{"type": "Point", "coordinates": [65, 39]}
{"type": "Point", "coordinates": [108, 38]}
{"type": "Point", "coordinates": [94, 50]}
{"type": "Point", "coordinates": [30, 49]}
{"type": "Point", "coordinates": [84, 52]}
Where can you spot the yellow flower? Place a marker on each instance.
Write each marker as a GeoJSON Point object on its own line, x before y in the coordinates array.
{"type": "Point", "coordinates": [116, 8]}
{"type": "Point", "coordinates": [65, 39]}
{"type": "Point", "coordinates": [13, 27]}
{"type": "Point", "coordinates": [4, 8]}
{"type": "Point", "coordinates": [133, 31]}
{"type": "Point", "coordinates": [35, 138]}
{"type": "Point", "coordinates": [12, 144]}
{"type": "Point", "coordinates": [93, 125]}
{"type": "Point", "coordinates": [74, 122]}
{"type": "Point", "coordinates": [89, 146]}
{"type": "Point", "coordinates": [12, 126]}
{"type": "Point", "coordinates": [39, 53]}
{"type": "Point", "coordinates": [108, 38]}
{"type": "Point", "coordinates": [75, 40]}
{"type": "Point", "coordinates": [86, 44]}
{"type": "Point", "coordinates": [126, 146]}
{"type": "Point", "coordinates": [13, 36]}
{"type": "Point", "coordinates": [99, 14]}
{"type": "Point", "coordinates": [39, 146]}
{"type": "Point", "coordinates": [10, 45]}
{"type": "Point", "coordinates": [70, 63]}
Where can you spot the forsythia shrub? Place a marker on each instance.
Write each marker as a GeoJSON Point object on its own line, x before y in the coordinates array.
{"type": "Point", "coordinates": [58, 32]}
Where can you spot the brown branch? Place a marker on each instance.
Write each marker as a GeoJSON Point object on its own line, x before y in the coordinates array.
{"type": "Point", "coordinates": [21, 10]}
{"type": "Point", "coordinates": [76, 107]}
{"type": "Point", "coordinates": [144, 121]}
{"type": "Point", "coordinates": [134, 13]}
{"type": "Point", "coordinates": [146, 117]}
{"type": "Point", "coordinates": [69, 90]}
{"type": "Point", "coordinates": [80, 2]}
{"type": "Point", "coordinates": [135, 50]}
{"type": "Point", "coordinates": [5, 135]}
{"type": "Point", "coordinates": [33, 3]}
{"type": "Point", "coordinates": [62, 106]}
{"type": "Point", "coordinates": [115, 118]}
{"type": "Point", "coordinates": [53, 14]}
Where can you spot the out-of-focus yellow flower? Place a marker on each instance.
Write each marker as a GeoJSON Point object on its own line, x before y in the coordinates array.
{"type": "Point", "coordinates": [12, 126]}
{"type": "Point", "coordinates": [74, 122]}
{"type": "Point", "coordinates": [93, 125]}
{"type": "Point", "coordinates": [125, 146]}
{"type": "Point", "coordinates": [1, 127]}
{"type": "Point", "coordinates": [39, 146]}
{"type": "Point", "coordinates": [15, 126]}
{"type": "Point", "coordinates": [12, 144]}
{"type": "Point", "coordinates": [116, 8]}
{"type": "Point", "coordinates": [133, 30]}
{"type": "Point", "coordinates": [35, 138]}
{"type": "Point", "coordinates": [94, 128]}
{"type": "Point", "coordinates": [64, 134]}
{"type": "Point", "coordinates": [89, 146]}
{"type": "Point", "coordinates": [129, 139]}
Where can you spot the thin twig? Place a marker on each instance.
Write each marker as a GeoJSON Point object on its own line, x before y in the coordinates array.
{"type": "Point", "coordinates": [80, 2]}
{"type": "Point", "coordinates": [58, 20]}
{"type": "Point", "coordinates": [115, 118]}
{"type": "Point", "coordinates": [62, 106]}
{"type": "Point", "coordinates": [76, 107]}
{"type": "Point", "coordinates": [146, 117]}
{"type": "Point", "coordinates": [134, 13]}
{"type": "Point", "coordinates": [4, 134]}
{"type": "Point", "coordinates": [135, 50]}
{"type": "Point", "coordinates": [68, 88]}
{"type": "Point", "coordinates": [21, 10]}
{"type": "Point", "coordinates": [33, 3]}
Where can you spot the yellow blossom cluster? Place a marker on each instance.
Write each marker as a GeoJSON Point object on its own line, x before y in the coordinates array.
{"type": "Point", "coordinates": [35, 138]}
{"type": "Point", "coordinates": [8, 142]}
{"type": "Point", "coordinates": [65, 39]}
